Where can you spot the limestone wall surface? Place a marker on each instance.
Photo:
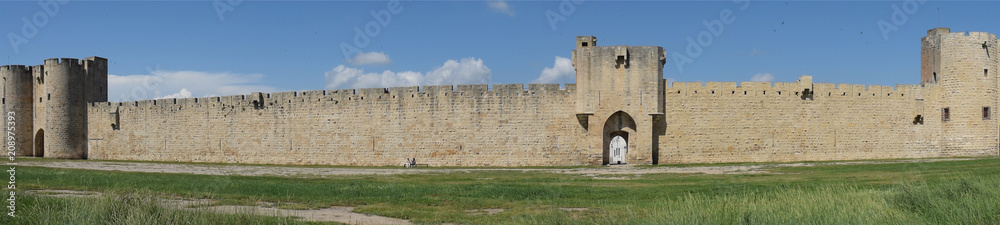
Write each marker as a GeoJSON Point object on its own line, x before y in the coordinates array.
{"type": "Point", "coordinates": [763, 122]}
{"type": "Point", "coordinates": [466, 125]}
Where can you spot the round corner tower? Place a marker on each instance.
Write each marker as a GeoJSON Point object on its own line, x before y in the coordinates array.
{"type": "Point", "coordinates": [963, 66]}
{"type": "Point", "coordinates": [66, 109]}
{"type": "Point", "coordinates": [17, 104]}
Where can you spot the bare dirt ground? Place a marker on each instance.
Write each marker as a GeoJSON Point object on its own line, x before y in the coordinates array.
{"type": "Point", "coordinates": [337, 213]}
{"type": "Point", "coordinates": [618, 172]}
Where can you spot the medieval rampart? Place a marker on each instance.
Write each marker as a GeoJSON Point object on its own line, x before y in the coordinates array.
{"type": "Point", "coordinates": [507, 125]}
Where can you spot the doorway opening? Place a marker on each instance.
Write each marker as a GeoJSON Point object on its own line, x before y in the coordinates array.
{"type": "Point", "coordinates": [40, 143]}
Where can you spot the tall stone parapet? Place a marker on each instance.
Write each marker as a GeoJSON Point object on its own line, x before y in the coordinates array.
{"type": "Point", "coordinates": [97, 78]}
{"type": "Point", "coordinates": [66, 109]}
{"type": "Point", "coordinates": [963, 66]}
{"type": "Point", "coordinates": [17, 104]}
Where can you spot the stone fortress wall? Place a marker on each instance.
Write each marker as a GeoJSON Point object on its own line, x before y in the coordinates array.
{"type": "Point", "coordinates": [439, 125]}
{"type": "Point", "coordinates": [619, 92]}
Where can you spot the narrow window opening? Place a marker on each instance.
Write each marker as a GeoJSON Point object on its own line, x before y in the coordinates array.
{"type": "Point", "coordinates": [744, 92]}
{"type": "Point", "coordinates": [779, 92]}
{"type": "Point", "coordinates": [48, 96]}
{"type": "Point", "coordinates": [734, 92]}
{"type": "Point", "coordinates": [585, 44]}
{"type": "Point", "coordinates": [713, 92]}
{"type": "Point", "coordinates": [986, 72]}
{"type": "Point", "coordinates": [918, 119]}
{"type": "Point", "coordinates": [945, 114]}
{"type": "Point", "coordinates": [986, 113]}
{"type": "Point", "coordinates": [935, 77]}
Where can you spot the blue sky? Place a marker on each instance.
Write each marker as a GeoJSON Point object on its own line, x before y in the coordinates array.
{"type": "Point", "coordinates": [203, 48]}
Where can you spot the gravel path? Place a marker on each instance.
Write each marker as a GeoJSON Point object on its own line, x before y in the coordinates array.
{"type": "Point", "coordinates": [250, 170]}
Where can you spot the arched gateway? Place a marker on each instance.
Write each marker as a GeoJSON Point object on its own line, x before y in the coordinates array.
{"type": "Point", "coordinates": [617, 130]}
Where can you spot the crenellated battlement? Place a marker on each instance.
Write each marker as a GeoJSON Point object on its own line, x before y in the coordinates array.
{"type": "Point", "coordinates": [326, 98]}
{"type": "Point", "coordinates": [789, 89]}
{"type": "Point", "coordinates": [67, 62]}
{"type": "Point", "coordinates": [15, 68]}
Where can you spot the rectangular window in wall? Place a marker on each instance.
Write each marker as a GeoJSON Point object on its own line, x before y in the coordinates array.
{"type": "Point", "coordinates": [945, 114]}
{"type": "Point", "coordinates": [986, 113]}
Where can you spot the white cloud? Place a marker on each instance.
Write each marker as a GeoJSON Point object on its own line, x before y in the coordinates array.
{"type": "Point", "coordinates": [171, 84]}
{"type": "Point", "coordinates": [367, 58]}
{"type": "Point", "coordinates": [560, 72]}
{"type": "Point", "coordinates": [184, 93]}
{"type": "Point", "coordinates": [762, 77]}
{"type": "Point", "coordinates": [501, 6]}
{"type": "Point", "coordinates": [468, 71]}
{"type": "Point", "coordinates": [464, 71]}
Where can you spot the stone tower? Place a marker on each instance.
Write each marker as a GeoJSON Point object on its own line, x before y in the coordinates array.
{"type": "Point", "coordinates": [54, 125]}
{"type": "Point", "coordinates": [620, 94]}
{"type": "Point", "coordinates": [963, 68]}
{"type": "Point", "coordinates": [17, 92]}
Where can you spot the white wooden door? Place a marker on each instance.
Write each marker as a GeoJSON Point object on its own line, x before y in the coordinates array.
{"type": "Point", "coordinates": [618, 150]}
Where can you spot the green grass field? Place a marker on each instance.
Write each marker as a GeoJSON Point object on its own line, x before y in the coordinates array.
{"type": "Point", "coordinates": [948, 192]}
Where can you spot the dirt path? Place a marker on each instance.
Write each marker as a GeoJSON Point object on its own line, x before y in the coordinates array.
{"type": "Point", "coordinates": [336, 214]}
{"type": "Point", "coordinates": [250, 170]}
